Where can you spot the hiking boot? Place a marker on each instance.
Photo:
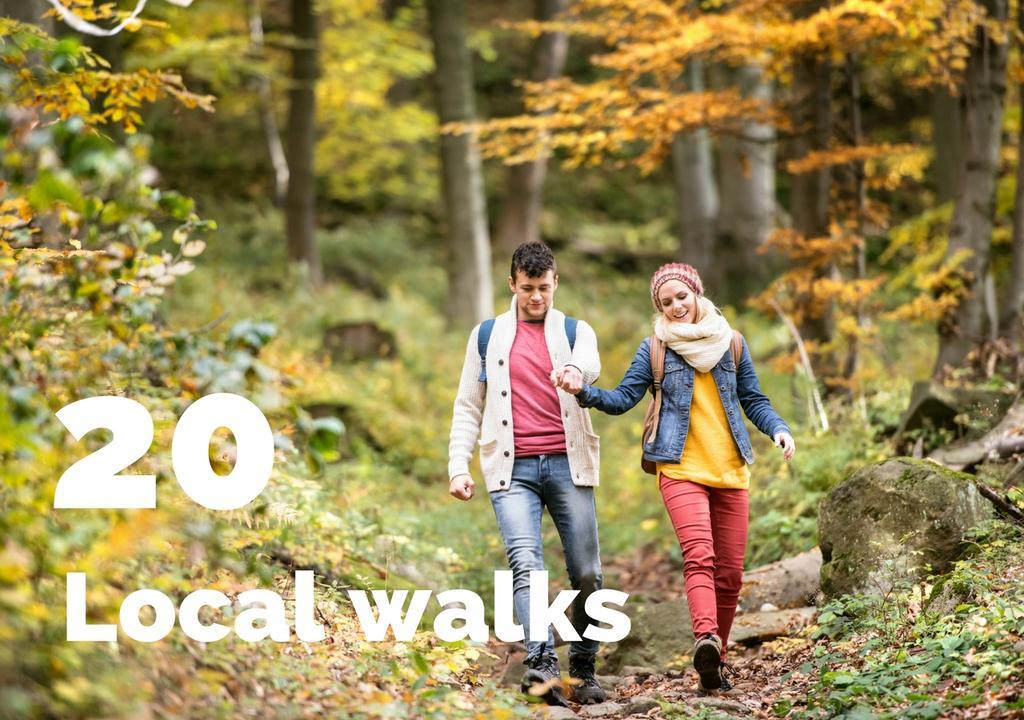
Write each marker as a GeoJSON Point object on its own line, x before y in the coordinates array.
{"type": "Point", "coordinates": [589, 691]}
{"type": "Point", "coordinates": [707, 659]}
{"type": "Point", "coordinates": [543, 679]}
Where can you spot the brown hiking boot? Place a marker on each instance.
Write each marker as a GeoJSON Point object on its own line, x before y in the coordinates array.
{"type": "Point", "coordinates": [707, 659]}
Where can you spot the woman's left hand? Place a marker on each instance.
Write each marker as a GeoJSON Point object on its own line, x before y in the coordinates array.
{"type": "Point", "coordinates": [785, 441]}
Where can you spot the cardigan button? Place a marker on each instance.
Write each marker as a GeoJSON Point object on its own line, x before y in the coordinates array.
{"type": "Point", "coordinates": [502, 482]}
{"type": "Point", "coordinates": [504, 422]}
{"type": "Point", "coordinates": [506, 453]}
{"type": "Point", "coordinates": [501, 362]}
{"type": "Point", "coordinates": [504, 393]}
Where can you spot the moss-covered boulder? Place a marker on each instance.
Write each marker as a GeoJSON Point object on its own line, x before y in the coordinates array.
{"type": "Point", "coordinates": [894, 519]}
{"type": "Point", "coordinates": [660, 632]}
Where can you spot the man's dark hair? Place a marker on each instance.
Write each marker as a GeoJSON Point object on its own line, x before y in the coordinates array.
{"type": "Point", "coordinates": [534, 259]}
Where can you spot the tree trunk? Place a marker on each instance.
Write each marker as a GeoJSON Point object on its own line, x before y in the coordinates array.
{"type": "Point", "coordinates": [981, 110]}
{"type": "Point", "coordinates": [266, 105]}
{"type": "Point", "coordinates": [696, 192]}
{"type": "Point", "coordinates": [746, 171]}
{"type": "Point", "coordinates": [300, 208]}
{"type": "Point", "coordinates": [854, 356]}
{"type": "Point", "coordinates": [789, 583]}
{"type": "Point", "coordinates": [1012, 322]}
{"type": "Point", "coordinates": [809, 194]}
{"type": "Point", "coordinates": [519, 221]}
{"type": "Point", "coordinates": [946, 136]}
{"type": "Point", "coordinates": [470, 297]}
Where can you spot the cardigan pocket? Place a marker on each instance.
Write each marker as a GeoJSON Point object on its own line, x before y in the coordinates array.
{"type": "Point", "coordinates": [593, 448]}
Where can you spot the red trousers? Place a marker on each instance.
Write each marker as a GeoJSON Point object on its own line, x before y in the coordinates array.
{"type": "Point", "coordinates": [711, 524]}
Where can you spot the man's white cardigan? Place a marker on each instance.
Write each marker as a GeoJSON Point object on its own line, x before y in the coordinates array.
{"type": "Point", "coordinates": [484, 410]}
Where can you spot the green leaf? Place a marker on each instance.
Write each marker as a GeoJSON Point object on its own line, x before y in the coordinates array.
{"type": "Point", "coordinates": [420, 663]}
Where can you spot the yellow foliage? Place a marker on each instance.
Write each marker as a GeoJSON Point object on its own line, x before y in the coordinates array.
{"type": "Point", "coordinates": [845, 155]}
{"type": "Point", "coordinates": [640, 99]}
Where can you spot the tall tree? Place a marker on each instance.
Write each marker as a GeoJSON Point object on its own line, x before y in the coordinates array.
{"type": "Point", "coordinates": [696, 193]}
{"type": "Point", "coordinates": [519, 221]}
{"type": "Point", "coordinates": [268, 118]}
{"type": "Point", "coordinates": [1012, 321]}
{"type": "Point", "coordinates": [946, 137]}
{"type": "Point", "coordinates": [746, 177]}
{"type": "Point", "coordinates": [300, 204]}
{"type": "Point", "coordinates": [470, 295]}
{"type": "Point", "coordinates": [809, 194]}
{"type": "Point", "coordinates": [970, 235]}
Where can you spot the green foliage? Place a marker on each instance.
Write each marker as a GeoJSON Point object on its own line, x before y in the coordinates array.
{"type": "Point", "coordinates": [88, 317]}
{"type": "Point", "coordinates": [373, 150]}
{"type": "Point", "coordinates": [65, 78]}
{"type": "Point", "coordinates": [910, 654]}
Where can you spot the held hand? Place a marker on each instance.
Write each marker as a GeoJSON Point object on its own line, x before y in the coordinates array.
{"type": "Point", "coordinates": [461, 487]}
{"type": "Point", "coordinates": [785, 441]}
{"type": "Point", "coordinates": [569, 378]}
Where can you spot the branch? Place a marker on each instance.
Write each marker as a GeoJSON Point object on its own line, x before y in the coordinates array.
{"type": "Point", "coordinates": [805, 360]}
{"type": "Point", "coordinates": [84, 26]}
{"type": "Point", "coordinates": [1004, 505]}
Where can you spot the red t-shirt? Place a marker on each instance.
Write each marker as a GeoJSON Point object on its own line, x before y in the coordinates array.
{"type": "Point", "coordinates": [536, 414]}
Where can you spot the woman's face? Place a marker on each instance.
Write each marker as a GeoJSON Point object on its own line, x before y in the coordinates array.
{"type": "Point", "coordinates": [677, 302]}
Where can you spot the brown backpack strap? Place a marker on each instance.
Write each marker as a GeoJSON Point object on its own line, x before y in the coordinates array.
{"type": "Point", "coordinates": [657, 352]}
{"type": "Point", "coordinates": [737, 348]}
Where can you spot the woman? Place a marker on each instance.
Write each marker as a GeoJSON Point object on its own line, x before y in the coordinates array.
{"type": "Point", "coordinates": [701, 448]}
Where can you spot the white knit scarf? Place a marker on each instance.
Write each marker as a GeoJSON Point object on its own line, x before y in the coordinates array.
{"type": "Point", "coordinates": [703, 343]}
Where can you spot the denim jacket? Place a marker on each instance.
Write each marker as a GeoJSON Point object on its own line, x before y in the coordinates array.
{"type": "Point", "coordinates": [737, 388]}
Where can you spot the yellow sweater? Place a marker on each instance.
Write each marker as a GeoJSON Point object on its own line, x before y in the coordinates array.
{"type": "Point", "coordinates": [710, 456]}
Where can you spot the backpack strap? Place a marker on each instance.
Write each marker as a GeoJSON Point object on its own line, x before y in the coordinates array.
{"type": "Point", "coordinates": [483, 338]}
{"type": "Point", "coordinates": [570, 332]}
{"type": "Point", "coordinates": [736, 346]}
{"type": "Point", "coordinates": [657, 352]}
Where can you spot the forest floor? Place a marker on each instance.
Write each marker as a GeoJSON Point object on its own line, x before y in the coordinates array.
{"type": "Point", "coordinates": [889, 657]}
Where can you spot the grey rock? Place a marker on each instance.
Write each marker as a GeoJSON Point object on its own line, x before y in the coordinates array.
{"type": "Point", "coordinates": [890, 520]}
{"type": "Point", "coordinates": [554, 713]}
{"type": "Point", "coordinates": [641, 704]}
{"type": "Point", "coordinates": [659, 633]}
{"type": "Point", "coordinates": [933, 405]}
{"type": "Point", "coordinates": [729, 706]}
{"type": "Point", "coordinates": [763, 626]}
{"type": "Point", "coordinates": [609, 681]}
{"type": "Point", "coordinates": [601, 710]}
{"type": "Point", "coordinates": [789, 583]}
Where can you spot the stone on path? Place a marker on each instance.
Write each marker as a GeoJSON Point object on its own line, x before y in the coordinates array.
{"type": "Point", "coordinates": [640, 704]}
{"type": "Point", "coordinates": [601, 710]}
{"type": "Point", "coordinates": [722, 704]}
{"type": "Point", "coordinates": [549, 712]}
{"type": "Point", "coordinates": [764, 626]}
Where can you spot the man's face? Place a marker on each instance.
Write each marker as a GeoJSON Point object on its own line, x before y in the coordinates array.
{"type": "Point", "coordinates": [533, 294]}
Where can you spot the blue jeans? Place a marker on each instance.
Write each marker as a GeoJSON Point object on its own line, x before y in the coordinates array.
{"type": "Point", "coordinates": [545, 480]}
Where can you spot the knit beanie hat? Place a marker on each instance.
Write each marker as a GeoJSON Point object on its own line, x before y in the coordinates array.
{"type": "Point", "coordinates": [686, 274]}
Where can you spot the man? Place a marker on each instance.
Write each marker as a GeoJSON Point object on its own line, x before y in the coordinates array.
{"type": "Point", "coordinates": [537, 449]}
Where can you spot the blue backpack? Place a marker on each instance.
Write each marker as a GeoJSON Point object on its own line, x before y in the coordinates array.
{"type": "Point", "coordinates": [484, 336]}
